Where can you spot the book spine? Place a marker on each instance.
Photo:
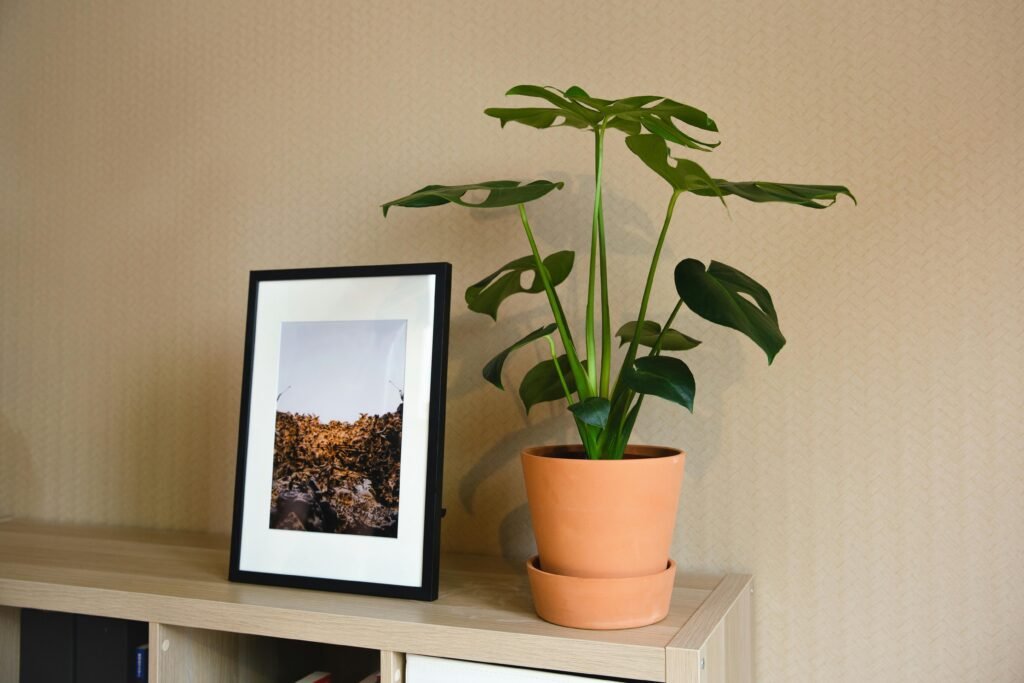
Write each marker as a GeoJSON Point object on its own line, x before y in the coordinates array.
{"type": "Point", "coordinates": [142, 663]}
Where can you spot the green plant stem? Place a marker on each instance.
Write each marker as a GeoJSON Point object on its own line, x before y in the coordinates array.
{"type": "Point", "coordinates": [585, 436]}
{"type": "Point", "coordinates": [558, 369]}
{"type": "Point", "coordinates": [592, 272]}
{"type": "Point", "coordinates": [656, 349]}
{"type": "Point", "coordinates": [631, 353]}
{"type": "Point", "coordinates": [623, 397]}
{"type": "Point", "coordinates": [582, 388]}
{"type": "Point", "coordinates": [606, 316]}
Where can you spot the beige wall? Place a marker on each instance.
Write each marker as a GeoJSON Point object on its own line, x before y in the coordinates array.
{"type": "Point", "coordinates": [873, 478]}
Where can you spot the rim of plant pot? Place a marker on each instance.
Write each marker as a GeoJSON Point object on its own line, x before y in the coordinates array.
{"type": "Point", "coordinates": [633, 453]}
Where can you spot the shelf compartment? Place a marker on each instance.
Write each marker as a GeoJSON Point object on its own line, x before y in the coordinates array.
{"type": "Point", "coordinates": [180, 654]}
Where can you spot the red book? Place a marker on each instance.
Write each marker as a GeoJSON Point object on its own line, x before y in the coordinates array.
{"type": "Point", "coordinates": [316, 677]}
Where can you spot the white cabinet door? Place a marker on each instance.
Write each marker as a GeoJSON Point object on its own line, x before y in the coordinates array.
{"type": "Point", "coordinates": [420, 669]}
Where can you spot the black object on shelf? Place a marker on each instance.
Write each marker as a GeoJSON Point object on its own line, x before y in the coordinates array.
{"type": "Point", "coordinates": [47, 647]}
{"type": "Point", "coordinates": [105, 649]}
{"type": "Point", "coordinates": [67, 648]}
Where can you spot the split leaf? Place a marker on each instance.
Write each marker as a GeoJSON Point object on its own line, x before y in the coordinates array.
{"type": "Point", "coordinates": [575, 108]}
{"type": "Point", "coordinates": [492, 371]}
{"type": "Point", "coordinates": [682, 174]}
{"type": "Point", "coordinates": [810, 196]}
{"type": "Point", "coordinates": [487, 295]}
{"type": "Point", "coordinates": [720, 295]}
{"type": "Point", "coordinates": [499, 193]}
{"type": "Point", "coordinates": [673, 340]}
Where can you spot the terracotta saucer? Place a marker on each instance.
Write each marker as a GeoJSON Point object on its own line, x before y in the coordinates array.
{"type": "Point", "coordinates": [601, 604]}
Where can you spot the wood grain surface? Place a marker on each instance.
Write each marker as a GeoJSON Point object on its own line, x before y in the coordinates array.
{"type": "Point", "coordinates": [484, 612]}
{"type": "Point", "coordinates": [10, 642]}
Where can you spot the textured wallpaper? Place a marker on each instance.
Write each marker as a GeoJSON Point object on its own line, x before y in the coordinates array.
{"type": "Point", "coordinates": [872, 479]}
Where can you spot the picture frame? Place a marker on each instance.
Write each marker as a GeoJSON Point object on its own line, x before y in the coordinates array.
{"type": "Point", "coordinates": [341, 433]}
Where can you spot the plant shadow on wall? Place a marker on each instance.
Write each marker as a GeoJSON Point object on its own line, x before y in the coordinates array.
{"type": "Point", "coordinates": [495, 448]}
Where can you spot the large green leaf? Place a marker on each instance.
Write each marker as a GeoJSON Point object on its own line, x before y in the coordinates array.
{"type": "Point", "coordinates": [573, 112]}
{"type": "Point", "coordinates": [555, 97]}
{"type": "Point", "coordinates": [592, 411]}
{"type": "Point", "coordinates": [720, 294]}
{"type": "Point", "coordinates": [537, 117]}
{"type": "Point", "coordinates": [499, 193]}
{"type": "Point", "coordinates": [492, 371]}
{"type": "Point", "coordinates": [673, 340]}
{"type": "Point", "coordinates": [630, 113]}
{"type": "Point", "coordinates": [576, 108]}
{"type": "Point", "coordinates": [663, 376]}
{"type": "Point", "coordinates": [610, 107]}
{"type": "Point", "coordinates": [790, 193]}
{"type": "Point", "coordinates": [683, 175]}
{"type": "Point", "coordinates": [486, 295]}
{"type": "Point", "coordinates": [541, 382]}
{"type": "Point", "coordinates": [659, 121]}
{"type": "Point", "coordinates": [670, 109]}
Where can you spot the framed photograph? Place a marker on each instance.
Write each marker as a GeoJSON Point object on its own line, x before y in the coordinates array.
{"type": "Point", "coordinates": [341, 437]}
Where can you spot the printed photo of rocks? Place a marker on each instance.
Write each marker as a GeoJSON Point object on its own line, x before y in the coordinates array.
{"type": "Point", "coordinates": [338, 436]}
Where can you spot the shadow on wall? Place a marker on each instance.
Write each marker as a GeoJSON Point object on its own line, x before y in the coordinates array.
{"type": "Point", "coordinates": [16, 466]}
{"type": "Point", "coordinates": [515, 533]}
{"type": "Point", "coordinates": [477, 402]}
{"type": "Point", "coordinates": [716, 370]}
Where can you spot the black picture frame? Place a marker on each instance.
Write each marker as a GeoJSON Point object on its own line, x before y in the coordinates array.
{"type": "Point", "coordinates": [434, 453]}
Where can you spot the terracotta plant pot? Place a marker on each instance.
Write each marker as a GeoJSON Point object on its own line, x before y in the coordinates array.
{"type": "Point", "coordinates": [604, 519]}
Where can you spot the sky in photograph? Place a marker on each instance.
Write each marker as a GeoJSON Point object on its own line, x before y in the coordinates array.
{"type": "Point", "coordinates": [339, 369]}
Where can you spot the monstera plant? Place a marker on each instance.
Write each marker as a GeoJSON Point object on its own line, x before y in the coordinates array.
{"type": "Point", "coordinates": [604, 403]}
{"type": "Point", "coordinates": [581, 374]}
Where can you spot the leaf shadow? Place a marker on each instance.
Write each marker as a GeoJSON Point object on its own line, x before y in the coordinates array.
{"type": "Point", "coordinates": [554, 428]}
{"type": "Point", "coordinates": [515, 535]}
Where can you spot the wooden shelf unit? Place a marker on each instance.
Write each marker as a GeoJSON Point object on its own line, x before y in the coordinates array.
{"type": "Point", "coordinates": [203, 627]}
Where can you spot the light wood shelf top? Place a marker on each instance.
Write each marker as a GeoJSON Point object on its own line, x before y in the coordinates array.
{"type": "Point", "coordinates": [484, 612]}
